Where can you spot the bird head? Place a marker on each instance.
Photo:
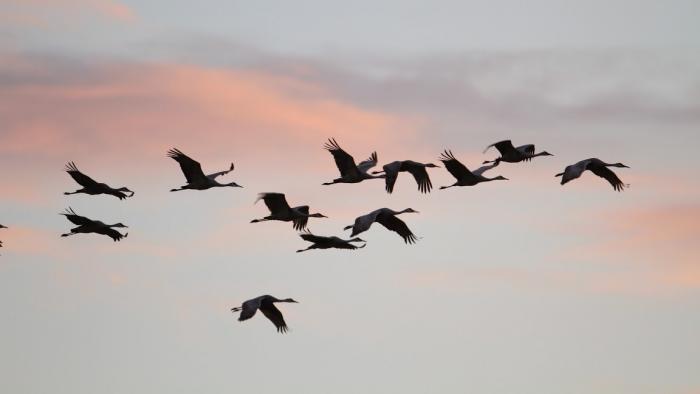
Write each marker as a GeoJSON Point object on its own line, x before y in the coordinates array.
{"type": "Point", "coordinates": [233, 184]}
{"type": "Point", "coordinates": [620, 165]}
{"type": "Point", "coordinates": [357, 240]}
{"type": "Point", "coordinates": [501, 178]}
{"type": "Point", "coordinates": [431, 165]}
{"type": "Point", "coordinates": [545, 153]}
{"type": "Point", "coordinates": [125, 189]}
{"type": "Point", "coordinates": [290, 300]}
{"type": "Point", "coordinates": [120, 225]}
{"type": "Point", "coordinates": [410, 210]}
{"type": "Point", "coordinates": [318, 215]}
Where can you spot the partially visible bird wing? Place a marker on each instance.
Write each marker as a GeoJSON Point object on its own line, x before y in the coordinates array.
{"type": "Point", "coordinates": [482, 169]}
{"type": "Point", "coordinates": [605, 172]}
{"type": "Point", "coordinates": [365, 165]}
{"type": "Point", "coordinates": [392, 223]}
{"type": "Point", "coordinates": [364, 222]}
{"type": "Point", "coordinates": [391, 171]}
{"type": "Point", "coordinates": [300, 223]}
{"type": "Point", "coordinates": [220, 173]}
{"type": "Point", "coordinates": [248, 309]}
{"type": "Point", "coordinates": [345, 163]}
{"type": "Point", "coordinates": [526, 150]}
{"type": "Point", "coordinates": [276, 202]}
{"type": "Point", "coordinates": [77, 219]}
{"type": "Point", "coordinates": [271, 312]}
{"type": "Point", "coordinates": [307, 236]}
{"type": "Point", "coordinates": [457, 169]}
{"type": "Point", "coordinates": [191, 168]}
{"type": "Point", "coordinates": [112, 233]}
{"type": "Point", "coordinates": [78, 176]}
{"type": "Point", "coordinates": [502, 146]}
{"type": "Point", "coordinates": [420, 174]}
{"type": "Point", "coordinates": [574, 171]}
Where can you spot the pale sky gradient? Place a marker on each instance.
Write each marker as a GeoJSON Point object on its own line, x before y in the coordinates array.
{"type": "Point", "coordinates": [520, 286]}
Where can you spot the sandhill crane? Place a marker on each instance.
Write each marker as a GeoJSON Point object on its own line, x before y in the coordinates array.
{"type": "Point", "coordinates": [463, 175]}
{"type": "Point", "coordinates": [349, 171]}
{"type": "Point", "coordinates": [320, 242]}
{"type": "Point", "coordinates": [387, 218]}
{"type": "Point", "coordinates": [1, 226]}
{"type": "Point", "coordinates": [92, 187]}
{"type": "Point", "coordinates": [511, 154]}
{"type": "Point", "coordinates": [597, 167]}
{"type": "Point", "coordinates": [266, 304]}
{"type": "Point", "coordinates": [418, 170]}
{"type": "Point", "coordinates": [86, 225]}
{"type": "Point", "coordinates": [280, 210]}
{"type": "Point", "coordinates": [196, 180]}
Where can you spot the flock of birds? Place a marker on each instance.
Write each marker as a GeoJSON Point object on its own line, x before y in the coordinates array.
{"type": "Point", "coordinates": [350, 172]}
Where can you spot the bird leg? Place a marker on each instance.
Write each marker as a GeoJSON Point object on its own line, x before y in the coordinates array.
{"type": "Point", "coordinates": [68, 234]}
{"type": "Point", "coordinates": [304, 250]}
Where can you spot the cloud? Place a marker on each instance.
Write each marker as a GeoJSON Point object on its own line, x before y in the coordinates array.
{"type": "Point", "coordinates": [44, 13]}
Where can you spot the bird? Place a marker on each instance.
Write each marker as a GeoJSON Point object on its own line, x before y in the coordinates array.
{"type": "Point", "coordinates": [463, 175]}
{"type": "Point", "coordinates": [387, 218]}
{"type": "Point", "coordinates": [196, 180]}
{"type": "Point", "coordinates": [92, 187]}
{"type": "Point", "coordinates": [418, 170]}
{"type": "Point", "coordinates": [597, 167]}
{"type": "Point", "coordinates": [511, 154]}
{"type": "Point", "coordinates": [320, 242]}
{"type": "Point", "coordinates": [349, 171]}
{"type": "Point", "coordinates": [1, 226]}
{"type": "Point", "coordinates": [86, 225]}
{"type": "Point", "coordinates": [280, 210]}
{"type": "Point", "coordinates": [266, 304]}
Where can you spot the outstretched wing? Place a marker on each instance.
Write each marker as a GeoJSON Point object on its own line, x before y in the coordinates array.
{"type": "Point", "coordinates": [271, 312]}
{"type": "Point", "coordinates": [276, 202]}
{"type": "Point", "coordinates": [191, 168]}
{"type": "Point", "coordinates": [344, 162]}
{"type": "Point", "coordinates": [454, 167]}
{"type": "Point", "coordinates": [526, 150]}
{"type": "Point", "coordinates": [309, 237]}
{"type": "Point", "coordinates": [220, 173]}
{"type": "Point", "coordinates": [365, 165]}
{"type": "Point", "coordinates": [248, 309]}
{"type": "Point", "coordinates": [78, 176]}
{"type": "Point", "coordinates": [606, 173]}
{"type": "Point", "coordinates": [482, 169]}
{"type": "Point", "coordinates": [502, 146]}
{"type": "Point", "coordinates": [364, 222]}
{"type": "Point", "coordinates": [75, 218]}
{"type": "Point", "coordinates": [300, 223]}
{"type": "Point", "coordinates": [391, 171]}
{"type": "Point", "coordinates": [392, 223]}
{"type": "Point", "coordinates": [420, 174]}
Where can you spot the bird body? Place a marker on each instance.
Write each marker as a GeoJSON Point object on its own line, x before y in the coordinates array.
{"type": "Point", "coordinates": [418, 170]}
{"type": "Point", "coordinates": [196, 179]}
{"type": "Point", "coordinates": [92, 187]}
{"type": "Point", "coordinates": [511, 154]}
{"type": "Point", "coordinates": [464, 176]}
{"type": "Point", "coordinates": [387, 218]}
{"type": "Point", "coordinates": [281, 211]}
{"type": "Point", "coordinates": [349, 171]}
{"type": "Point", "coordinates": [266, 305]}
{"type": "Point", "coordinates": [597, 167]}
{"type": "Point", "coordinates": [321, 242]}
{"type": "Point", "coordinates": [86, 225]}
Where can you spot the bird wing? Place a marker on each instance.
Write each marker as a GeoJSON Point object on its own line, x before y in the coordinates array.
{"type": "Point", "coordinates": [420, 174]}
{"type": "Point", "coordinates": [391, 171]}
{"type": "Point", "coordinates": [364, 222]}
{"type": "Point", "coordinates": [191, 168]}
{"type": "Point", "coordinates": [110, 232]}
{"type": "Point", "coordinates": [526, 150]}
{"type": "Point", "coordinates": [371, 161]}
{"type": "Point", "coordinates": [78, 176]}
{"type": "Point", "coordinates": [77, 219]}
{"type": "Point", "coordinates": [220, 173]}
{"type": "Point", "coordinates": [608, 174]}
{"type": "Point", "coordinates": [345, 163]}
{"type": "Point", "coordinates": [502, 146]}
{"type": "Point", "coordinates": [454, 167]}
{"type": "Point", "coordinates": [307, 236]}
{"type": "Point", "coordinates": [574, 171]}
{"type": "Point", "coordinates": [482, 169]}
{"type": "Point", "coordinates": [271, 312]}
{"type": "Point", "coordinates": [392, 223]}
{"type": "Point", "coordinates": [276, 202]}
{"type": "Point", "coordinates": [248, 309]}
{"type": "Point", "coordinates": [300, 223]}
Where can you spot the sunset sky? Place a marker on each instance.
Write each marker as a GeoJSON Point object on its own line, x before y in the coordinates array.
{"type": "Point", "coordinates": [520, 286]}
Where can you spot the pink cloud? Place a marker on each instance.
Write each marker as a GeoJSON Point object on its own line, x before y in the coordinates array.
{"type": "Point", "coordinates": [39, 13]}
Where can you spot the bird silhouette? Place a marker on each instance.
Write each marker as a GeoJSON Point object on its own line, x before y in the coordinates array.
{"type": "Point", "coordinates": [196, 180]}
{"type": "Point", "coordinates": [320, 242]}
{"type": "Point", "coordinates": [280, 210]}
{"type": "Point", "coordinates": [511, 154]}
{"type": "Point", "coordinates": [266, 305]}
{"type": "Point", "coordinates": [387, 218]}
{"type": "Point", "coordinates": [349, 171]}
{"type": "Point", "coordinates": [463, 175]}
{"type": "Point", "coordinates": [92, 187]}
{"type": "Point", "coordinates": [597, 167]}
{"type": "Point", "coordinates": [86, 225]}
{"type": "Point", "coordinates": [418, 170]}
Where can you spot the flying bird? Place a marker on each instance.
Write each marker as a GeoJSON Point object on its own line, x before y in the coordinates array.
{"type": "Point", "coordinates": [349, 171]}
{"type": "Point", "coordinates": [196, 180]}
{"type": "Point", "coordinates": [86, 225]}
{"type": "Point", "coordinates": [418, 170]}
{"type": "Point", "coordinates": [320, 242]}
{"type": "Point", "coordinates": [1, 226]}
{"type": "Point", "coordinates": [92, 187]}
{"type": "Point", "coordinates": [266, 304]}
{"type": "Point", "coordinates": [597, 167]}
{"type": "Point", "coordinates": [280, 210]}
{"type": "Point", "coordinates": [387, 218]}
{"type": "Point", "coordinates": [463, 175]}
{"type": "Point", "coordinates": [511, 154]}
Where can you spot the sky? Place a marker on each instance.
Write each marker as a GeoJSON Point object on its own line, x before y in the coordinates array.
{"type": "Point", "coordinates": [514, 286]}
